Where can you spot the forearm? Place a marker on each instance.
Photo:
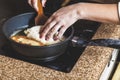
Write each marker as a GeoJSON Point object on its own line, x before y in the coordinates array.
{"type": "Point", "coordinates": [106, 13]}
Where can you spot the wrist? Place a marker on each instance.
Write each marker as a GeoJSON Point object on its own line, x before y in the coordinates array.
{"type": "Point", "coordinates": [80, 11]}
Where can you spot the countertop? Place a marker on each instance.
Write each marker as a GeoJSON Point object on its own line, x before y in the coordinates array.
{"type": "Point", "coordinates": [89, 66]}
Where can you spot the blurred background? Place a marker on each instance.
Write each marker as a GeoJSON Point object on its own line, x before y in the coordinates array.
{"type": "Point", "coordinates": [14, 7]}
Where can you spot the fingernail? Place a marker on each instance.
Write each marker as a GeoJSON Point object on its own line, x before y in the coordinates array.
{"type": "Point", "coordinates": [55, 38]}
{"type": "Point", "coordinates": [46, 38]}
{"type": "Point", "coordinates": [40, 36]}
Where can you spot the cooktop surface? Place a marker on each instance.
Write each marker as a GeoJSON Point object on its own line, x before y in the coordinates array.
{"type": "Point", "coordinates": [65, 62]}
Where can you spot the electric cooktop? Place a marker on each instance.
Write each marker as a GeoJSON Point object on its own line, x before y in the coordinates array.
{"type": "Point", "coordinates": [65, 62]}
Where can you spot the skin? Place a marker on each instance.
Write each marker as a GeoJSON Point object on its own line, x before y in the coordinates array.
{"type": "Point", "coordinates": [33, 3]}
{"type": "Point", "coordinates": [66, 16]}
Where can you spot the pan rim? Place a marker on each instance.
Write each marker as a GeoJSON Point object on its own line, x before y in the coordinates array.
{"type": "Point", "coordinates": [23, 14]}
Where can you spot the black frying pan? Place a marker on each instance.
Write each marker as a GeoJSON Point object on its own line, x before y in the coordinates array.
{"type": "Point", "coordinates": [46, 53]}
{"type": "Point", "coordinates": [80, 42]}
{"type": "Point", "coordinates": [43, 53]}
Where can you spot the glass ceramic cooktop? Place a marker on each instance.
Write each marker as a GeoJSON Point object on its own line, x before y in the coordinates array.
{"type": "Point", "coordinates": [65, 62]}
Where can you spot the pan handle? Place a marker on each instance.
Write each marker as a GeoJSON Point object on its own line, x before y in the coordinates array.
{"type": "Point", "coordinates": [80, 42]}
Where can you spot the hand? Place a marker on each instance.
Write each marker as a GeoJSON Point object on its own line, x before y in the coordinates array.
{"type": "Point", "coordinates": [33, 3]}
{"type": "Point", "coordinates": [59, 22]}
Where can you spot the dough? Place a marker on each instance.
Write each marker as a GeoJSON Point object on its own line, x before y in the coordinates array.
{"type": "Point", "coordinates": [33, 33]}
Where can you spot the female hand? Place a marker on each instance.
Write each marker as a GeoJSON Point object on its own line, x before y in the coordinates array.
{"type": "Point", "coordinates": [59, 22]}
{"type": "Point", "coordinates": [66, 16]}
{"type": "Point", "coordinates": [33, 3]}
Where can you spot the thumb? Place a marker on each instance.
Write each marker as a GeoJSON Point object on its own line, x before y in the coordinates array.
{"type": "Point", "coordinates": [44, 2]}
{"type": "Point", "coordinates": [35, 4]}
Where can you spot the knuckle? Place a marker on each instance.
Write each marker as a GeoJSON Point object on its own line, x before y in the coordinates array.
{"type": "Point", "coordinates": [56, 17]}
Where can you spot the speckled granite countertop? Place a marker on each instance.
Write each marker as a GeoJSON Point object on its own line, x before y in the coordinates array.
{"type": "Point", "coordinates": [89, 66]}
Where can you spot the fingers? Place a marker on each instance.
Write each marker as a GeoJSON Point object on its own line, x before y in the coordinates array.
{"type": "Point", "coordinates": [61, 32]}
{"type": "Point", "coordinates": [43, 3]}
{"type": "Point", "coordinates": [47, 27]}
{"type": "Point", "coordinates": [53, 29]}
{"type": "Point", "coordinates": [33, 3]}
{"type": "Point", "coordinates": [59, 22]}
{"type": "Point", "coordinates": [53, 32]}
{"type": "Point", "coordinates": [29, 2]}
